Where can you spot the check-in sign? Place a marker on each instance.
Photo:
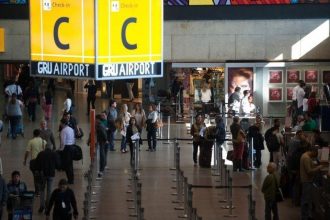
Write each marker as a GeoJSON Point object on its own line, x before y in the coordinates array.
{"type": "Point", "coordinates": [130, 38]}
{"type": "Point", "coordinates": [102, 39]}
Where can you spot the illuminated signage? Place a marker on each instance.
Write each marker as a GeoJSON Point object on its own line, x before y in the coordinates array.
{"type": "Point", "coordinates": [122, 40]}
{"type": "Point", "coordinates": [130, 38]}
{"type": "Point", "coordinates": [2, 40]}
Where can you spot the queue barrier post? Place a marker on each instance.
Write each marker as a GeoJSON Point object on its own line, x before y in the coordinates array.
{"type": "Point", "coordinates": [189, 201]}
{"type": "Point", "coordinates": [175, 146]}
{"type": "Point", "coordinates": [226, 181]}
{"type": "Point", "coordinates": [252, 151]}
{"type": "Point", "coordinates": [168, 130]}
{"type": "Point", "coordinates": [185, 200]}
{"type": "Point", "coordinates": [177, 162]}
{"type": "Point", "coordinates": [215, 157]}
{"type": "Point", "coordinates": [230, 206]}
{"type": "Point", "coordinates": [179, 192]}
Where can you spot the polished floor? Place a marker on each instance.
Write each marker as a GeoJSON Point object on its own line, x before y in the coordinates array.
{"type": "Point", "coordinates": [155, 175]}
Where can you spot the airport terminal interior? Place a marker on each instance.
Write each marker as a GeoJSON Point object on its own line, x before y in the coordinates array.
{"type": "Point", "coordinates": [214, 110]}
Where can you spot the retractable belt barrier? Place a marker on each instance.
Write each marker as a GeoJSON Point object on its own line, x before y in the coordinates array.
{"type": "Point", "coordinates": [135, 185]}
{"type": "Point", "coordinates": [184, 194]}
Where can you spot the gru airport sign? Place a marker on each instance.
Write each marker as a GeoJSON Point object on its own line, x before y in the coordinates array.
{"type": "Point", "coordinates": [101, 39]}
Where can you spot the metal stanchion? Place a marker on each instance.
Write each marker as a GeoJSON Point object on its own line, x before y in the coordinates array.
{"type": "Point", "coordinates": [252, 205]}
{"type": "Point", "coordinates": [252, 151]}
{"type": "Point", "coordinates": [168, 131]}
{"type": "Point", "coordinates": [230, 206]}
{"type": "Point", "coordinates": [226, 181]}
{"type": "Point", "coordinates": [176, 144]}
{"type": "Point", "coordinates": [185, 200]}
{"type": "Point", "coordinates": [215, 155]}
{"type": "Point", "coordinates": [179, 193]}
{"type": "Point", "coordinates": [177, 161]}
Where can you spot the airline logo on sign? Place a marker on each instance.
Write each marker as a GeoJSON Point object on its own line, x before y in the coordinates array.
{"type": "Point", "coordinates": [130, 39]}
{"type": "Point", "coordinates": [62, 38]}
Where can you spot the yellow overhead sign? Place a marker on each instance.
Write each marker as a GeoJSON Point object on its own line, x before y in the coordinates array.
{"type": "Point", "coordinates": [2, 40]}
{"type": "Point", "coordinates": [125, 42]}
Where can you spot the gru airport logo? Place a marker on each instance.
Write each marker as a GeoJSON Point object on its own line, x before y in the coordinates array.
{"type": "Point", "coordinates": [117, 39]}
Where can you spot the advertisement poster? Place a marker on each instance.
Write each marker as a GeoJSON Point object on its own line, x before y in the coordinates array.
{"type": "Point", "coordinates": [275, 76]}
{"type": "Point", "coordinates": [240, 77]}
{"type": "Point", "coordinates": [326, 76]}
{"type": "Point", "coordinates": [289, 93]}
{"type": "Point", "coordinates": [311, 76]}
{"type": "Point", "coordinates": [292, 76]}
{"type": "Point", "coordinates": [275, 94]}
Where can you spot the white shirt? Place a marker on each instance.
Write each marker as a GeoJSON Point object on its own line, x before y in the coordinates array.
{"type": "Point", "coordinates": [245, 105]}
{"type": "Point", "coordinates": [300, 96]}
{"type": "Point", "coordinates": [305, 105]}
{"type": "Point", "coordinates": [67, 137]}
{"type": "Point", "coordinates": [67, 105]}
{"type": "Point", "coordinates": [13, 88]}
{"type": "Point", "coordinates": [294, 92]}
{"type": "Point", "coordinates": [153, 116]}
{"type": "Point", "coordinates": [206, 95]}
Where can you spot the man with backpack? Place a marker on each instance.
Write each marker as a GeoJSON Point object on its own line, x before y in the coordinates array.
{"type": "Point", "coordinates": [274, 140]}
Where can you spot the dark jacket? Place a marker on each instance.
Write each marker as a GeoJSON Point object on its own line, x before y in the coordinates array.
{"type": "Point", "coordinates": [129, 133]}
{"type": "Point", "coordinates": [101, 134]}
{"type": "Point", "coordinates": [3, 191]}
{"type": "Point", "coordinates": [258, 139]}
{"type": "Point", "coordinates": [220, 134]}
{"type": "Point", "coordinates": [47, 162]}
{"type": "Point", "coordinates": [57, 198]}
{"type": "Point", "coordinates": [234, 129]}
{"type": "Point", "coordinates": [91, 90]}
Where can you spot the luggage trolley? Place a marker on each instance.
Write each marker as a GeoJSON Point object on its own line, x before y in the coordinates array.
{"type": "Point", "coordinates": [22, 206]}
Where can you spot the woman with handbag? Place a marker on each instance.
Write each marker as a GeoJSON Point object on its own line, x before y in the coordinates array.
{"type": "Point", "coordinates": [152, 128]}
{"type": "Point", "coordinates": [238, 137]}
{"type": "Point", "coordinates": [197, 131]}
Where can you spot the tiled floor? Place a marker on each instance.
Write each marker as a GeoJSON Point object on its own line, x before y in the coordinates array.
{"type": "Point", "coordinates": [155, 176]}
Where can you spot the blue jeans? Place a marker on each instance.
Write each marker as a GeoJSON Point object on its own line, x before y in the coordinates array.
{"type": "Point", "coordinates": [111, 140]}
{"type": "Point", "coordinates": [49, 182]}
{"type": "Point", "coordinates": [123, 143]}
{"type": "Point", "coordinates": [271, 206]}
{"type": "Point", "coordinates": [306, 200]}
{"type": "Point", "coordinates": [14, 123]}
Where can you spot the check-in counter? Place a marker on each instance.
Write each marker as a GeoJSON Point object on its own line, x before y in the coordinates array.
{"type": "Point", "coordinates": [321, 198]}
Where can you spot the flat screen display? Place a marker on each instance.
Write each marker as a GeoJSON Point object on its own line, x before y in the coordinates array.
{"type": "Point", "coordinates": [242, 2]}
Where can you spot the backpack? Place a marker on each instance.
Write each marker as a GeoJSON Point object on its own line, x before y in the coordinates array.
{"type": "Point", "coordinates": [271, 140]}
{"type": "Point", "coordinates": [76, 152]}
{"type": "Point", "coordinates": [294, 161]}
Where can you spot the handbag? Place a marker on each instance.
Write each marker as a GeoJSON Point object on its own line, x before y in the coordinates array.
{"type": "Point", "coordinates": [230, 155]}
{"type": "Point", "coordinates": [278, 194]}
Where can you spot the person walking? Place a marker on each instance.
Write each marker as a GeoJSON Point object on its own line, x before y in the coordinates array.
{"type": "Point", "coordinates": [124, 117]}
{"type": "Point", "coordinates": [91, 94]}
{"type": "Point", "coordinates": [47, 104]}
{"type": "Point", "coordinates": [14, 112]}
{"type": "Point", "coordinates": [196, 132]}
{"type": "Point", "coordinates": [238, 137]}
{"type": "Point", "coordinates": [64, 201]}
{"type": "Point", "coordinates": [102, 141]}
{"type": "Point", "coordinates": [308, 170]}
{"type": "Point", "coordinates": [15, 188]}
{"type": "Point", "coordinates": [67, 140]}
{"type": "Point", "coordinates": [111, 118]}
{"type": "Point", "coordinates": [132, 129]}
{"type": "Point", "coordinates": [47, 134]}
{"type": "Point", "coordinates": [47, 161]}
{"type": "Point", "coordinates": [31, 97]}
{"type": "Point", "coordinates": [68, 103]}
{"type": "Point", "coordinates": [152, 128]}
{"type": "Point", "coordinates": [34, 147]}
{"type": "Point", "coordinates": [269, 188]}
{"type": "Point", "coordinates": [130, 85]}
